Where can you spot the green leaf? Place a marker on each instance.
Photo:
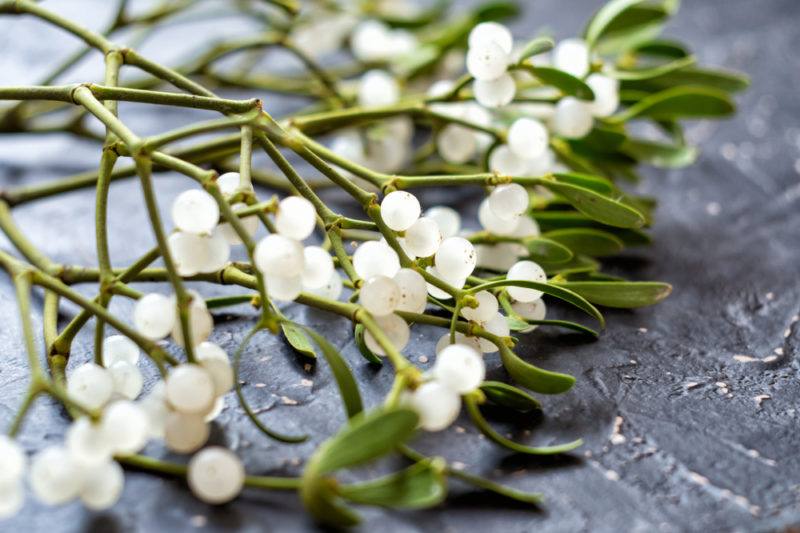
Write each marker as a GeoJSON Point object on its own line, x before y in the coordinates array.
{"type": "Point", "coordinates": [297, 339]}
{"type": "Point", "coordinates": [348, 388]}
{"type": "Point", "coordinates": [601, 139]}
{"type": "Point", "coordinates": [510, 396]}
{"type": "Point", "coordinates": [586, 181]}
{"type": "Point", "coordinates": [325, 506]}
{"type": "Point", "coordinates": [496, 10]}
{"type": "Point", "coordinates": [536, 46]}
{"type": "Point", "coordinates": [679, 102]}
{"type": "Point", "coordinates": [411, 64]}
{"type": "Point", "coordinates": [566, 324]}
{"type": "Point", "coordinates": [723, 80]}
{"type": "Point", "coordinates": [647, 73]}
{"type": "Point", "coordinates": [588, 241]}
{"type": "Point", "coordinates": [630, 38]}
{"type": "Point", "coordinates": [532, 377]}
{"type": "Point", "coordinates": [486, 429]}
{"type": "Point", "coordinates": [366, 437]}
{"type": "Point", "coordinates": [660, 154]}
{"type": "Point", "coordinates": [599, 207]}
{"type": "Point", "coordinates": [605, 16]}
{"type": "Point", "coordinates": [662, 48]}
{"type": "Point", "coordinates": [547, 250]}
{"type": "Point", "coordinates": [563, 81]}
{"type": "Point", "coordinates": [547, 288]}
{"type": "Point", "coordinates": [363, 349]}
{"type": "Point", "coordinates": [419, 486]}
{"type": "Point", "coordinates": [622, 294]}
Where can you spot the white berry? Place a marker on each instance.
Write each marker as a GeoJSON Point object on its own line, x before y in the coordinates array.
{"type": "Point", "coordinates": [377, 88]}
{"type": "Point", "coordinates": [606, 94]}
{"type": "Point", "coordinates": [90, 385]}
{"type": "Point", "coordinates": [185, 433]}
{"type": "Point", "coordinates": [572, 118]}
{"type": "Point", "coordinates": [154, 315]}
{"type": "Point", "coordinates": [394, 328]}
{"type": "Point", "coordinates": [526, 271]}
{"type": "Point", "coordinates": [487, 61]}
{"type": "Point", "coordinates": [509, 201]}
{"type": "Point", "coordinates": [190, 389]}
{"type": "Point", "coordinates": [127, 379]}
{"type": "Point", "coordinates": [437, 406]}
{"type": "Point", "coordinates": [460, 368]}
{"type": "Point", "coordinates": [423, 237]}
{"type": "Point", "coordinates": [102, 485]}
{"type": "Point", "coordinates": [127, 425]}
{"type": "Point", "coordinates": [215, 361]}
{"type": "Point", "coordinates": [495, 93]}
{"type": "Point", "coordinates": [374, 258]}
{"type": "Point", "coordinates": [215, 475]}
{"type": "Point", "coordinates": [456, 258]}
{"type": "Point", "coordinates": [487, 307]}
{"type": "Point", "coordinates": [400, 209]}
{"type": "Point", "coordinates": [195, 211]}
{"type": "Point", "coordinates": [447, 218]}
{"type": "Point", "coordinates": [491, 32]}
{"type": "Point", "coordinates": [527, 138]}
{"type": "Point", "coordinates": [279, 255]}
{"type": "Point", "coordinates": [572, 56]}
{"type": "Point", "coordinates": [296, 218]}
{"type": "Point", "coordinates": [318, 267]}
{"type": "Point", "coordinates": [55, 476]}
{"type": "Point", "coordinates": [379, 295]}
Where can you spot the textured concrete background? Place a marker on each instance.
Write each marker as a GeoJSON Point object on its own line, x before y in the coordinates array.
{"type": "Point", "coordinates": [688, 409]}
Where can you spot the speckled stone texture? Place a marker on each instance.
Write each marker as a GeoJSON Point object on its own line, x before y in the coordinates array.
{"type": "Point", "coordinates": [688, 409]}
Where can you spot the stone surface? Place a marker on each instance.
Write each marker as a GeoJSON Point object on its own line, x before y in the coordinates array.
{"type": "Point", "coordinates": [688, 409]}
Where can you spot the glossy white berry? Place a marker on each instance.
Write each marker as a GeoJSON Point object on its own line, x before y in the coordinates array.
{"type": "Point", "coordinates": [497, 325]}
{"type": "Point", "coordinates": [127, 425]}
{"type": "Point", "coordinates": [377, 88]}
{"type": "Point", "coordinates": [423, 237]}
{"type": "Point", "coordinates": [332, 289]}
{"type": "Point", "coordinates": [90, 385]}
{"type": "Point", "coordinates": [502, 160]}
{"type": "Point", "coordinates": [447, 218]}
{"type": "Point", "coordinates": [216, 362]}
{"type": "Point", "coordinates": [491, 32]}
{"type": "Point", "coordinates": [436, 405]}
{"type": "Point", "coordinates": [231, 182]}
{"type": "Point", "coordinates": [456, 143]}
{"type": "Point", "coordinates": [527, 138]}
{"type": "Point", "coordinates": [572, 56]}
{"type": "Point", "coordinates": [12, 498]}
{"type": "Point", "coordinates": [455, 258]}
{"type": "Point", "coordinates": [374, 258]}
{"type": "Point", "coordinates": [215, 475]}
{"type": "Point", "coordinates": [250, 225]}
{"type": "Point", "coordinates": [471, 342]}
{"type": "Point", "coordinates": [487, 307]}
{"type": "Point", "coordinates": [526, 271]}
{"type": "Point", "coordinates": [535, 310]}
{"type": "Point", "coordinates": [379, 295]}
{"type": "Point", "coordinates": [296, 218]}
{"type": "Point", "coordinates": [188, 252]}
{"type": "Point", "coordinates": [413, 290]}
{"type": "Point", "coordinates": [493, 223]}
{"type": "Point", "coordinates": [12, 460]}
{"type": "Point", "coordinates": [279, 255]}
{"type": "Point", "coordinates": [371, 41]}
{"type": "Point", "coordinates": [487, 61]}
{"type": "Point", "coordinates": [156, 410]}
{"type": "Point", "coordinates": [201, 322]}
{"type": "Point", "coordinates": [454, 281]}
{"type": "Point", "coordinates": [55, 476]}
{"type": "Point", "coordinates": [606, 94]}
{"type": "Point", "coordinates": [88, 442]}
{"type": "Point", "coordinates": [190, 389]}
{"type": "Point", "coordinates": [460, 368]}
{"type": "Point", "coordinates": [218, 251]}
{"type": "Point", "coordinates": [496, 92]}
{"type": "Point", "coordinates": [195, 211]}
{"type": "Point", "coordinates": [102, 485]}
{"type": "Point", "coordinates": [400, 209]}
{"type": "Point", "coordinates": [127, 379]}
{"type": "Point", "coordinates": [283, 289]}
{"type": "Point", "coordinates": [394, 328]}
{"type": "Point", "coordinates": [216, 410]}
{"type": "Point", "coordinates": [509, 201]}
{"type": "Point", "coordinates": [527, 227]}
{"type": "Point", "coordinates": [119, 348]}
{"type": "Point", "coordinates": [154, 315]}
{"type": "Point", "coordinates": [185, 433]}
{"type": "Point", "coordinates": [572, 118]}
{"type": "Point", "coordinates": [318, 267]}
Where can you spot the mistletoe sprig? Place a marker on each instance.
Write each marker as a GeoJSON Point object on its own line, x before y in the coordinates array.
{"type": "Point", "coordinates": [540, 126]}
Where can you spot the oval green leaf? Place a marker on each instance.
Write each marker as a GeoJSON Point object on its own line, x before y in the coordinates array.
{"type": "Point", "coordinates": [547, 250]}
{"type": "Point", "coordinates": [587, 181]}
{"type": "Point", "coordinates": [509, 396]}
{"type": "Point", "coordinates": [532, 377]}
{"type": "Point", "coordinates": [596, 206]}
{"type": "Point", "coordinates": [363, 349]}
{"type": "Point", "coordinates": [601, 20]}
{"type": "Point", "coordinates": [660, 154]}
{"type": "Point", "coordinates": [621, 294]}
{"type": "Point", "coordinates": [419, 486]}
{"type": "Point", "coordinates": [563, 81]}
{"type": "Point", "coordinates": [298, 340]}
{"type": "Point", "coordinates": [536, 46]}
{"type": "Point", "coordinates": [587, 241]}
{"type": "Point", "coordinates": [679, 102]}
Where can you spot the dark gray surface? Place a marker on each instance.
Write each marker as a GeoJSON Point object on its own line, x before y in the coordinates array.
{"type": "Point", "coordinates": [688, 409]}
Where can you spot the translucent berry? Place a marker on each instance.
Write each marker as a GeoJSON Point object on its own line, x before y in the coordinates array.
{"type": "Point", "coordinates": [296, 218]}
{"type": "Point", "coordinates": [284, 289]}
{"type": "Point", "coordinates": [606, 95]}
{"type": "Point", "coordinates": [395, 329]}
{"type": "Point", "coordinates": [509, 201]}
{"type": "Point", "coordinates": [444, 342]}
{"type": "Point", "coordinates": [318, 267]}
{"type": "Point", "coordinates": [331, 290]}
{"type": "Point", "coordinates": [436, 405]}
{"type": "Point", "coordinates": [423, 237]}
{"type": "Point", "coordinates": [374, 258]}
{"type": "Point", "coordinates": [487, 61]}
{"type": "Point", "coordinates": [250, 225]}
{"type": "Point", "coordinates": [190, 389]}
{"type": "Point", "coordinates": [119, 348]}
{"type": "Point", "coordinates": [493, 223]}
{"type": "Point", "coordinates": [90, 385]}
{"type": "Point", "coordinates": [400, 209]}
{"type": "Point", "coordinates": [447, 219]}
{"type": "Point", "coordinates": [216, 410]}
{"type": "Point", "coordinates": [460, 368]}
{"type": "Point", "coordinates": [195, 211]}
{"type": "Point", "coordinates": [456, 143]}
{"type": "Point", "coordinates": [12, 498]}
{"type": "Point", "coordinates": [279, 255]}
{"type": "Point", "coordinates": [453, 281]}
{"type": "Point", "coordinates": [201, 322]}
{"type": "Point", "coordinates": [495, 93]}
{"type": "Point", "coordinates": [535, 310]}
{"type": "Point", "coordinates": [127, 379]}
{"type": "Point", "coordinates": [377, 88]}
{"type": "Point", "coordinates": [455, 258]}
{"type": "Point", "coordinates": [503, 161]}
{"type": "Point", "coordinates": [102, 485]}
{"type": "Point", "coordinates": [127, 425]}
{"type": "Point", "coordinates": [216, 362]}
{"type": "Point", "coordinates": [154, 315]}
{"type": "Point", "coordinates": [188, 252]}
{"type": "Point", "coordinates": [185, 433]}
{"type": "Point", "coordinates": [55, 476]}
{"type": "Point", "coordinates": [230, 182]}
{"type": "Point", "coordinates": [526, 271]}
{"type": "Point", "coordinates": [413, 291]}
{"type": "Point", "coordinates": [497, 325]}
{"type": "Point", "coordinates": [572, 56]}
{"type": "Point", "coordinates": [12, 460]}
{"type": "Point", "coordinates": [527, 138]}
{"type": "Point", "coordinates": [379, 295]}
{"type": "Point", "coordinates": [572, 118]}
{"type": "Point", "coordinates": [491, 32]}
{"type": "Point", "coordinates": [487, 307]}
{"type": "Point", "coordinates": [88, 442]}
{"type": "Point", "coordinates": [215, 475]}
{"type": "Point", "coordinates": [155, 408]}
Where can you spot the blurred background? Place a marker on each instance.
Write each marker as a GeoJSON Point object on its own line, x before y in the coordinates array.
{"type": "Point", "coordinates": [688, 409]}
